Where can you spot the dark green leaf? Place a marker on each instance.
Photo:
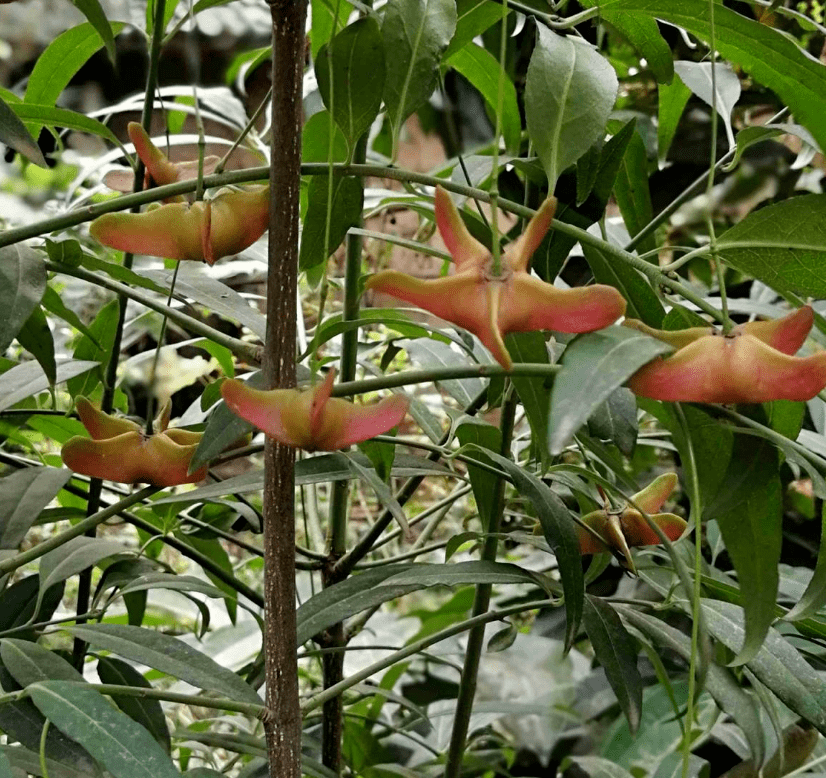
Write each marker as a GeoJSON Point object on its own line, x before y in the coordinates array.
{"type": "Point", "coordinates": [17, 606]}
{"type": "Point", "coordinates": [782, 245]}
{"type": "Point", "coordinates": [488, 438]}
{"type": "Point", "coordinates": [616, 651]}
{"type": "Point", "coordinates": [147, 712]}
{"type": "Point", "coordinates": [23, 495]}
{"type": "Point", "coordinates": [777, 663]}
{"type": "Point", "coordinates": [593, 366]}
{"type": "Point", "coordinates": [65, 252]}
{"type": "Point", "coordinates": [631, 190]}
{"type": "Point", "coordinates": [30, 663]}
{"type": "Point", "coordinates": [22, 282]}
{"type": "Point", "coordinates": [534, 393]}
{"type": "Point", "coordinates": [558, 528]}
{"type": "Point", "coordinates": [344, 203]}
{"type": "Point", "coordinates": [315, 140]}
{"type": "Point", "coordinates": [672, 99]}
{"type": "Point", "coordinates": [815, 595]}
{"type": "Point", "coordinates": [93, 11]}
{"type": "Point", "coordinates": [124, 747]}
{"type": "Point", "coordinates": [62, 118]}
{"type": "Point", "coordinates": [616, 420]}
{"type": "Point", "coordinates": [415, 33]}
{"type": "Point", "coordinates": [53, 303]}
{"type": "Point", "coordinates": [767, 54]}
{"type": "Point", "coordinates": [36, 337]}
{"type": "Point", "coordinates": [169, 655]}
{"type": "Point", "coordinates": [103, 330]}
{"type": "Point", "coordinates": [373, 587]}
{"type": "Point", "coordinates": [569, 92]}
{"type": "Point", "coordinates": [355, 60]}
{"type": "Point", "coordinates": [482, 69]}
{"type": "Point", "coordinates": [15, 135]}
{"type": "Point", "coordinates": [720, 682]}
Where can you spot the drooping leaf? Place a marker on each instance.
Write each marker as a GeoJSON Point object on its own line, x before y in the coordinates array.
{"type": "Point", "coordinates": [482, 69]}
{"type": "Point", "coordinates": [569, 92]}
{"type": "Point", "coordinates": [616, 651]}
{"type": "Point", "coordinates": [15, 135]}
{"type": "Point", "coordinates": [22, 282]}
{"type": "Point", "coordinates": [765, 53]}
{"type": "Point", "coordinates": [671, 102]}
{"type": "Point", "coordinates": [62, 118]}
{"type": "Point", "coordinates": [720, 681]}
{"type": "Point", "coordinates": [169, 655]}
{"type": "Point", "coordinates": [533, 392]}
{"type": "Point", "coordinates": [17, 606]}
{"type": "Point", "coordinates": [632, 192]}
{"type": "Point", "coordinates": [473, 17]}
{"type": "Point", "coordinates": [145, 711]}
{"type": "Point", "coordinates": [594, 365]}
{"type": "Point", "coordinates": [483, 482]}
{"type": "Point", "coordinates": [415, 33]}
{"type": "Point", "coordinates": [28, 379]}
{"type": "Point", "coordinates": [697, 77]}
{"type": "Point", "coordinates": [23, 495]}
{"type": "Point", "coordinates": [103, 329]}
{"type": "Point", "coordinates": [345, 212]}
{"type": "Point", "coordinates": [124, 747]}
{"type": "Point", "coordinates": [96, 16]}
{"type": "Point", "coordinates": [782, 245]}
{"type": "Point", "coordinates": [616, 420]}
{"type": "Point", "coordinates": [558, 528]}
{"type": "Point", "coordinates": [815, 595]}
{"type": "Point", "coordinates": [355, 60]}
{"type": "Point", "coordinates": [36, 337]}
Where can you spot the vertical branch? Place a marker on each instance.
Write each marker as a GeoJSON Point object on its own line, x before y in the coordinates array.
{"type": "Point", "coordinates": [283, 723]}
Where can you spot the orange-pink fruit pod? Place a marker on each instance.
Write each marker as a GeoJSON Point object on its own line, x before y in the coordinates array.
{"type": "Point", "coordinates": [119, 451]}
{"type": "Point", "coordinates": [621, 530]}
{"type": "Point", "coordinates": [159, 170]}
{"type": "Point", "coordinates": [207, 230]}
{"type": "Point", "coordinates": [311, 419]}
{"type": "Point", "coordinates": [491, 306]}
{"type": "Point", "coordinates": [754, 363]}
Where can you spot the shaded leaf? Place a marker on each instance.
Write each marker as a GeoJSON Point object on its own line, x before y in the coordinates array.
{"type": "Point", "coordinates": [534, 393]}
{"type": "Point", "coordinates": [473, 17]}
{"type": "Point", "coordinates": [169, 655]}
{"type": "Point", "coordinates": [345, 212]}
{"type": "Point", "coordinates": [697, 77]}
{"type": "Point", "coordinates": [23, 495]}
{"type": "Point", "coordinates": [632, 192]}
{"type": "Point", "coordinates": [30, 663]}
{"type": "Point", "coordinates": [671, 99]}
{"type": "Point", "coordinates": [36, 337]}
{"type": "Point", "coordinates": [815, 595]}
{"type": "Point", "coordinates": [616, 420]}
{"type": "Point", "coordinates": [594, 365]}
{"type": "Point", "coordinates": [22, 282]}
{"type": "Point", "coordinates": [488, 438]}
{"type": "Point", "coordinates": [15, 135]}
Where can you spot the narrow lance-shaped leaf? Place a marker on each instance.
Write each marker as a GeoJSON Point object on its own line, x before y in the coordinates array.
{"type": "Point", "coordinates": [15, 135]}
{"type": "Point", "coordinates": [22, 283]}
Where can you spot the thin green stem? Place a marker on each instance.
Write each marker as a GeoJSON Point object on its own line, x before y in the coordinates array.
{"type": "Point", "coordinates": [496, 249]}
{"type": "Point", "coordinates": [154, 371]}
{"type": "Point", "coordinates": [417, 647]}
{"type": "Point", "coordinates": [481, 604]}
{"type": "Point", "coordinates": [690, 465]}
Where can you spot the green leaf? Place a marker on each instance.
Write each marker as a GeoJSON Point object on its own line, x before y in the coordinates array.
{"type": "Point", "coordinates": [56, 66]}
{"type": "Point", "coordinates": [169, 655]}
{"type": "Point", "coordinates": [5, 767]}
{"type": "Point", "coordinates": [632, 192]}
{"type": "Point", "coordinates": [782, 245]}
{"type": "Point", "coordinates": [767, 54]}
{"type": "Point", "coordinates": [23, 495]}
{"type": "Point", "coordinates": [558, 528]}
{"type": "Point", "coordinates": [534, 393]}
{"type": "Point", "coordinates": [28, 378]}
{"type": "Point", "coordinates": [644, 35]}
{"type": "Point", "coordinates": [697, 77]}
{"type": "Point", "coordinates": [345, 212]}
{"type": "Point", "coordinates": [671, 99]}
{"type": "Point", "coordinates": [368, 474]}
{"type": "Point", "coordinates": [145, 711]}
{"type": "Point", "coordinates": [324, 23]}
{"type": "Point", "coordinates": [121, 745]}
{"type": "Point", "coordinates": [489, 438]}
{"type": "Point", "coordinates": [750, 136]}
{"type": "Point", "coordinates": [49, 116]}
{"type": "Point", "coordinates": [315, 140]}
{"type": "Point", "coordinates": [93, 11]}
{"type": "Point", "coordinates": [616, 420]}
{"type": "Point", "coordinates": [415, 33]}
{"type": "Point", "coordinates": [777, 663]}
{"type": "Point", "coordinates": [36, 337]}
{"type": "Point", "coordinates": [720, 682]}
{"type": "Point", "coordinates": [482, 69]}
{"type": "Point", "coordinates": [73, 557]}
{"type": "Point", "coordinates": [22, 282]}
{"type": "Point", "coordinates": [815, 595]}
{"type": "Point", "coordinates": [642, 300]}
{"type": "Point", "coordinates": [98, 348]}
{"type": "Point", "coordinates": [473, 17]}
{"type": "Point", "coordinates": [355, 59]}
{"type": "Point", "coordinates": [594, 365]}
{"type": "Point", "coordinates": [27, 760]}
{"type": "Point", "coordinates": [379, 585]}
{"type": "Point", "coordinates": [30, 663]}
{"type": "Point", "coordinates": [17, 606]}
{"type": "Point", "coordinates": [569, 92]}
{"type": "Point", "coordinates": [15, 135]}
{"type": "Point", "coordinates": [616, 651]}
{"type": "Point", "coordinates": [596, 767]}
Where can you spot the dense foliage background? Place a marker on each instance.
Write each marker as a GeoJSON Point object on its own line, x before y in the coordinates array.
{"type": "Point", "coordinates": [447, 621]}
